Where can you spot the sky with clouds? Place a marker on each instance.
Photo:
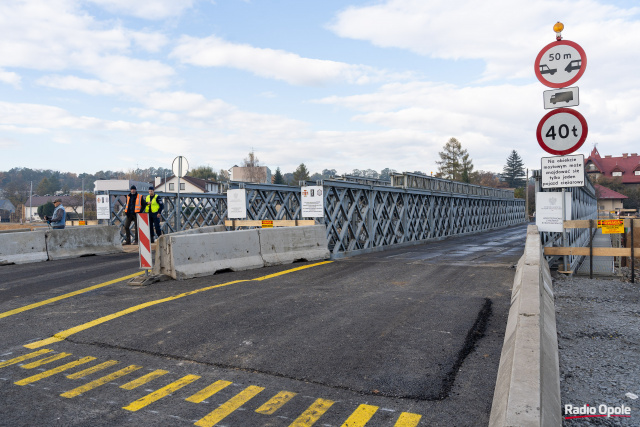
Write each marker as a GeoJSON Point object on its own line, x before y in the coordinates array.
{"type": "Point", "coordinates": [92, 85]}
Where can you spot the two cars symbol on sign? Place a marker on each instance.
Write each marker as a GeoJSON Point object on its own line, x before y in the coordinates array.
{"type": "Point", "coordinates": [562, 131]}
{"type": "Point", "coordinates": [560, 64]}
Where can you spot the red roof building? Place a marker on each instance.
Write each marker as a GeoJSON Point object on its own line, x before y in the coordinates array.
{"type": "Point", "coordinates": [609, 200]}
{"type": "Point", "coordinates": [626, 167]}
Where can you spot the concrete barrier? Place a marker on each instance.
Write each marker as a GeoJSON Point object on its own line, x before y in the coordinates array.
{"type": "Point", "coordinates": [203, 254]}
{"type": "Point", "coordinates": [197, 252]}
{"type": "Point", "coordinates": [284, 245]}
{"type": "Point", "coordinates": [80, 241]}
{"type": "Point", "coordinates": [527, 389]}
{"type": "Point", "coordinates": [200, 230]}
{"type": "Point", "coordinates": [23, 247]}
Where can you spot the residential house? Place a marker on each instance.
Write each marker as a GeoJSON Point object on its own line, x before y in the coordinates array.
{"type": "Point", "coordinates": [608, 200]}
{"type": "Point", "coordinates": [188, 184]}
{"type": "Point", "coordinates": [626, 167]}
{"type": "Point", "coordinates": [72, 205]}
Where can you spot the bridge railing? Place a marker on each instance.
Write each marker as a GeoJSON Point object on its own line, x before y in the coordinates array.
{"type": "Point", "coordinates": [583, 206]}
{"type": "Point", "coordinates": [359, 218]}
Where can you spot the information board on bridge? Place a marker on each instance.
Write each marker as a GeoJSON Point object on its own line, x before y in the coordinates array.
{"type": "Point", "coordinates": [562, 171]}
{"type": "Point", "coordinates": [611, 226]}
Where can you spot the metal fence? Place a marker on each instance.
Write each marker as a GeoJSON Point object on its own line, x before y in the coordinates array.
{"type": "Point", "coordinates": [359, 218]}
{"type": "Point", "coordinates": [583, 206]}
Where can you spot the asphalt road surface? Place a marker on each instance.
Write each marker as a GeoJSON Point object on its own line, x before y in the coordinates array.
{"type": "Point", "coordinates": [409, 337]}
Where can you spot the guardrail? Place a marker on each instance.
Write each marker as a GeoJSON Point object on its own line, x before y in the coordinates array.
{"type": "Point", "coordinates": [358, 217]}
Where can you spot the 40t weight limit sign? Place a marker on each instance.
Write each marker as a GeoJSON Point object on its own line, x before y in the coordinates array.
{"type": "Point", "coordinates": [562, 131]}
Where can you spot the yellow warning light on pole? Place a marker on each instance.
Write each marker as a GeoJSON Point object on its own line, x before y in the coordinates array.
{"type": "Point", "coordinates": [558, 27]}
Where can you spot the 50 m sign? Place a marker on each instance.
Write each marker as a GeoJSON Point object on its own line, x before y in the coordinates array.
{"type": "Point", "coordinates": [562, 131]}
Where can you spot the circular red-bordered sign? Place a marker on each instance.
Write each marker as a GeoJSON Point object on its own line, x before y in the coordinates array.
{"type": "Point", "coordinates": [560, 64]}
{"type": "Point", "coordinates": [562, 131]}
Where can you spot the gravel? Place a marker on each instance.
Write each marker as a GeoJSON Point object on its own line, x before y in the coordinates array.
{"type": "Point", "coordinates": [598, 324]}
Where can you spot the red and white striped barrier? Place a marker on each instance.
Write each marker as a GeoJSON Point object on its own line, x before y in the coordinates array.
{"type": "Point", "coordinates": [144, 241]}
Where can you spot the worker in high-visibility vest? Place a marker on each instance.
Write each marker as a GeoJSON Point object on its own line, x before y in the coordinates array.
{"type": "Point", "coordinates": [154, 207]}
{"type": "Point", "coordinates": [135, 204]}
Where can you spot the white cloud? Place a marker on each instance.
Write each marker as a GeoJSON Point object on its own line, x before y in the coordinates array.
{"type": "Point", "coordinates": [504, 34]}
{"type": "Point", "coordinates": [11, 78]}
{"type": "Point", "coordinates": [89, 86]}
{"type": "Point", "coordinates": [146, 9]}
{"type": "Point", "coordinates": [273, 63]}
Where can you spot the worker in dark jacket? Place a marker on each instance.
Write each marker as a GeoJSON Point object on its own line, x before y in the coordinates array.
{"type": "Point", "coordinates": [134, 205]}
{"type": "Point", "coordinates": [59, 217]}
{"type": "Point", "coordinates": [154, 207]}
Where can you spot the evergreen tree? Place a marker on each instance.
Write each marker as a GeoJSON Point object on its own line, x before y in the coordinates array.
{"type": "Point", "coordinates": [455, 162]}
{"type": "Point", "coordinates": [204, 172]}
{"type": "Point", "coordinates": [300, 174]}
{"type": "Point", "coordinates": [513, 171]}
{"type": "Point", "coordinates": [278, 178]}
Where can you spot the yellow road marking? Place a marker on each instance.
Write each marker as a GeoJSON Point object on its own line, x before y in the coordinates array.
{"type": "Point", "coordinates": [61, 336]}
{"type": "Point", "coordinates": [93, 369]}
{"type": "Point", "coordinates": [54, 371]}
{"type": "Point", "coordinates": [276, 402]}
{"type": "Point", "coordinates": [313, 413]}
{"type": "Point", "coordinates": [100, 381]}
{"type": "Point", "coordinates": [407, 420]}
{"type": "Point", "coordinates": [69, 295]}
{"type": "Point", "coordinates": [360, 416]}
{"type": "Point", "coordinates": [24, 357]}
{"type": "Point", "coordinates": [45, 360]}
{"type": "Point", "coordinates": [208, 391]}
{"type": "Point", "coordinates": [144, 379]}
{"type": "Point", "coordinates": [160, 393]}
{"type": "Point", "coordinates": [229, 406]}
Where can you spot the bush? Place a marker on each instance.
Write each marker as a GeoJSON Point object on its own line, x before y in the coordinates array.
{"type": "Point", "coordinates": [46, 210]}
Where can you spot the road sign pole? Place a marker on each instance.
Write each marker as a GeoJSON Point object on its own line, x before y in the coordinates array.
{"type": "Point", "coordinates": [564, 234]}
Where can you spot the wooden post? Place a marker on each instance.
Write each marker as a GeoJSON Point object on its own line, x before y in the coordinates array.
{"type": "Point", "coordinates": [590, 249]}
{"type": "Point", "coordinates": [633, 256]}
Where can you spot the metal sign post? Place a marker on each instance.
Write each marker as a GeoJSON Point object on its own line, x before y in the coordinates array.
{"type": "Point", "coordinates": [180, 168]}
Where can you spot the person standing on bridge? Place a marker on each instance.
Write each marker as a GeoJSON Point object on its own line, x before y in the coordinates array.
{"type": "Point", "coordinates": [58, 220]}
{"type": "Point", "coordinates": [135, 204]}
{"type": "Point", "coordinates": [154, 207]}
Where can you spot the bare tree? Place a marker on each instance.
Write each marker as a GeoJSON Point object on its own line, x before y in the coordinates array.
{"type": "Point", "coordinates": [254, 172]}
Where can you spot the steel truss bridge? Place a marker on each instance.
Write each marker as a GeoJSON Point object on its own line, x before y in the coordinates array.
{"type": "Point", "coordinates": [361, 215]}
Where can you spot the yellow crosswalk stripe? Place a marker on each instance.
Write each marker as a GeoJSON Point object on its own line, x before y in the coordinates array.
{"type": "Point", "coordinates": [208, 391]}
{"type": "Point", "coordinates": [100, 381]}
{"type": "Point", "coordinates": [89, 371]}
{"type": "Point", "coordinates": [313, 413]}
{"type": "Point", "coordinates": [144, 379]}
{"type": "Point", "coordinates": [407, 420]}
{"type": "Point", "coordinates": [24, 357]}
{"type": "Point", "coordinates": [276, 402]}
{"type": "Point", "coordinates": [54, 371]}
{"type": "Point", "coordinates": [45, 360]}
{"type": "Point", "coordinates": [160, 393]}
{"type": "Point", "coordinates": [360, 416]}
{"type": "Point", "coordinates": [229, 406]}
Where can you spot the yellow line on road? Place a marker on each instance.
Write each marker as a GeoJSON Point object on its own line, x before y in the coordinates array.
{"type": "Point", "coordinates": [45, 360]}
{"type": "Point", "coordinates": [100, 381]}
{"type": "Point", "coordinates": [407, 420]}
{"type": "Point", "coordinates": [208, 391]}
{"type": "Point", "coordinates": [61, 336]}
{"type": "Point", "coordinates": [360, 416]}
{"type": "Point", "coordinates": [91, 370]}
{"type": "Point", "coordinates": [144, 379]}
{"type": "Point", "coordinates": [229, 406]}
{"type": "Point", "coordinates": [24, 357]}
{"type": "Point", "coordinates": [313, 413]}
{"type": "Point", "coordinates": [69, 295]}
{"type": "Point", "coordinates": [160, 393]}
{"type": "Point", "coordinates": [54, 371]}
{"type": "Point", "coordinates": [276, 402]}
